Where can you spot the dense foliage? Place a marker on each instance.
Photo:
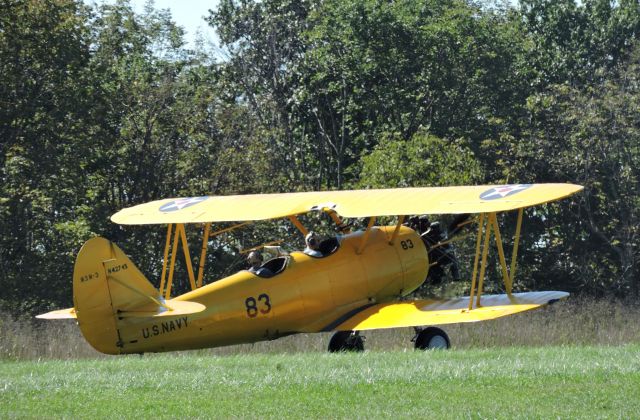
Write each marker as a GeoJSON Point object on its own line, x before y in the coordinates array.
{"type": "Point", "coordinates": [102, 108]}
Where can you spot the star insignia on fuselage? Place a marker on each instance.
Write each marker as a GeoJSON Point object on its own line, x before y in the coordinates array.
{"type": "Point", "coordinates": [503, 191]}
{"type": "Point", "coordinates": [181, 203]}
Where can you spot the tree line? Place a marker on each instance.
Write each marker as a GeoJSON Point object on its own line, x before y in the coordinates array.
{"type": "Point", "coordinates": [103, 108]}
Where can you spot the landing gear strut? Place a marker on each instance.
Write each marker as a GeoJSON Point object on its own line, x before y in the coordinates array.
{"type": "Point", "coordinates": [431, 338]}
{"type": "Point", "coordinates": [346, 341]}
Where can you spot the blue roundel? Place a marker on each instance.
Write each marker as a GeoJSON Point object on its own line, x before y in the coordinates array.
{"type": "Point", "coordinates": [181, 203]}
{"type": "Point", "coordinates": [503, 191]}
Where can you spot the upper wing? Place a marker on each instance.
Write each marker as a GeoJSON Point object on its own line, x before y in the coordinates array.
{"type": "Point", "coordinates": [439, 312]}
{"type": "Point", "coordinates": [356, 203]}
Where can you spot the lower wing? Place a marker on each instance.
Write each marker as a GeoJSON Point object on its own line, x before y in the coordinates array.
{"type": "Point", "coordinates": [439, 312]}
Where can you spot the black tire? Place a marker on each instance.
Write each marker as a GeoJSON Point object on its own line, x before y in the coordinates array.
{"type": "Point", "coordinates": [356, 343]}
{"type": "Point", "coordinates": [346, 341]}
{"type": "Point", "coordinates": [432, 338]}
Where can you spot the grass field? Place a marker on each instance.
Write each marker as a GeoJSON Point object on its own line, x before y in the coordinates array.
{"type": "Point", "coordinates": [577, 359]}
{"type": "Point", "coordinates": [558, 382]}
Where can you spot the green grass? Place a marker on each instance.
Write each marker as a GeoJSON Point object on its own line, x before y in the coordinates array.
{"type": "Point", "coordinates": [541, 382]}
{"type": "Point", "coordinates": [575, 359]}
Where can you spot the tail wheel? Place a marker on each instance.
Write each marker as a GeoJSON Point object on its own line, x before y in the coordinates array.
{"type": "Point", "coordinates": [432, 338]}
{"type": "Point", "coordinates": [346, 341]}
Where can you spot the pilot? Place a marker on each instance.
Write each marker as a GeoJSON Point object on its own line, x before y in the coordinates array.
{"type": "Point", "coordinates": [312, 242]}
{"type": "Point", "coordinates": [255, 262]}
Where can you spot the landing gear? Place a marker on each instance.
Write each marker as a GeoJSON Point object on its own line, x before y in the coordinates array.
{"type": "Point", "coordinates": [431, 338]}
{"type": "Point", "coordinates": [346, 341]}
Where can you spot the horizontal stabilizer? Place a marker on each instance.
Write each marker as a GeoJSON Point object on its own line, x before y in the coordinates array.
{"type": "Point", "coordinates": [174, 308]}
{"type": "Point", "coordinates": [69, 313]}
{"type": "Point", "coordinates": [452, 311]}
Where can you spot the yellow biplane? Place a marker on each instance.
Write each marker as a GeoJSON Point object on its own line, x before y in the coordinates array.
{"type": "Point", "coordinates": [359, 281]}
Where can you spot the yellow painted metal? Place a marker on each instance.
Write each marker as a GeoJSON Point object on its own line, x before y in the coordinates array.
{"type": "Point", "coordinates": [298, 225]}
{"type": "Point", "coordinates": [502, 259]}
{"type": "Point", "coordinates": [99, 296]}
{"type": "Point", "coordinates": [69, 313]}
{"type": "Point", "coordinates": [514, 254]}
{"type": "Point", "coordinates": [441, 312]}
{"type": "Point", "coordinates": [138, 292]}
{"type": "Point", "coordinates": [483, 263]}
{"type": "Point", "coordinates": [350, 204]}
{"type": "Point", "coordinates": [108, 289]}
{"type": "Point", "coordinates": [334, 216]}
{"type": "Point", "coordinates": [340, 225]}
{"type": "Point", "coordinates": [310, 295]}
{"type": "Point", "coordinates": [459, 237]}
{"type": "Point", "coordinates": [397, 229]}
{"type": "Point", "coordinates": [355, 287]}
{"type": "Point", "coordinates": [205, 238]}
{"type": "Point", "coordinates": [187, 256]}
{"type": "Point", "coordinates": [476, 259]}
{"type": "Point", "coordinates": [165, 259]}
{"type": "Point", "coordinates": [234, 227]}
{"type": "Point", "coordinates": [203, 253]}
{"type": "Point", "coordinates": [363, 243]}
{"type": "Point", "coordinates": [172, 264]}
{"type": "Point", "coordinates": [180, 236]}
{"type": "Point", "coordinates": [176, 308]}
{"type": "Point", "coordinates": [277, 242]}
{"type": "Point", "coordinates": [467, 222]}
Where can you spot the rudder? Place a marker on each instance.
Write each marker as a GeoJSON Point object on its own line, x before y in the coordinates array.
{"type": "Point", "coordinates": [105, 284]}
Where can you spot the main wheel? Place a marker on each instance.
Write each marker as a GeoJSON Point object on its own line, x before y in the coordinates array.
{"type": "Point", "coordinates": [432, 338]}
{"type": "Point", "coordinates": [346, 341]}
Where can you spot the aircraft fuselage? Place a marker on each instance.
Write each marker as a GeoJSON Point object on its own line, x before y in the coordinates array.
{"type": "Point", "coordinates": [308, 295]}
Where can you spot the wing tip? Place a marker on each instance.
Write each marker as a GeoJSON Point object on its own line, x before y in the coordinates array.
{"type": "Point", "coordinates": [69, 313]}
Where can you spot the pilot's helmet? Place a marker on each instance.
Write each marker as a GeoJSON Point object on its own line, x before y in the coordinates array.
{"type": "Point", "coordinates": [312, 240]}
{"type": "Point", "coordinates": [254, 258]}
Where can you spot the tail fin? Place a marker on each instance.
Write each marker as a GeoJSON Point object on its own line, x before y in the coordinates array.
{"type": "Point", "coordinates": [108, 289]}
{"type": "Point", "coordinates": [105, 281]}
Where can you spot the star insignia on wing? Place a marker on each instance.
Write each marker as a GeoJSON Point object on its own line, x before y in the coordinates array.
{"type": "Point", "coordinates": [503, 191]}
{"type": "Point", "coordinates": [181, 203]}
